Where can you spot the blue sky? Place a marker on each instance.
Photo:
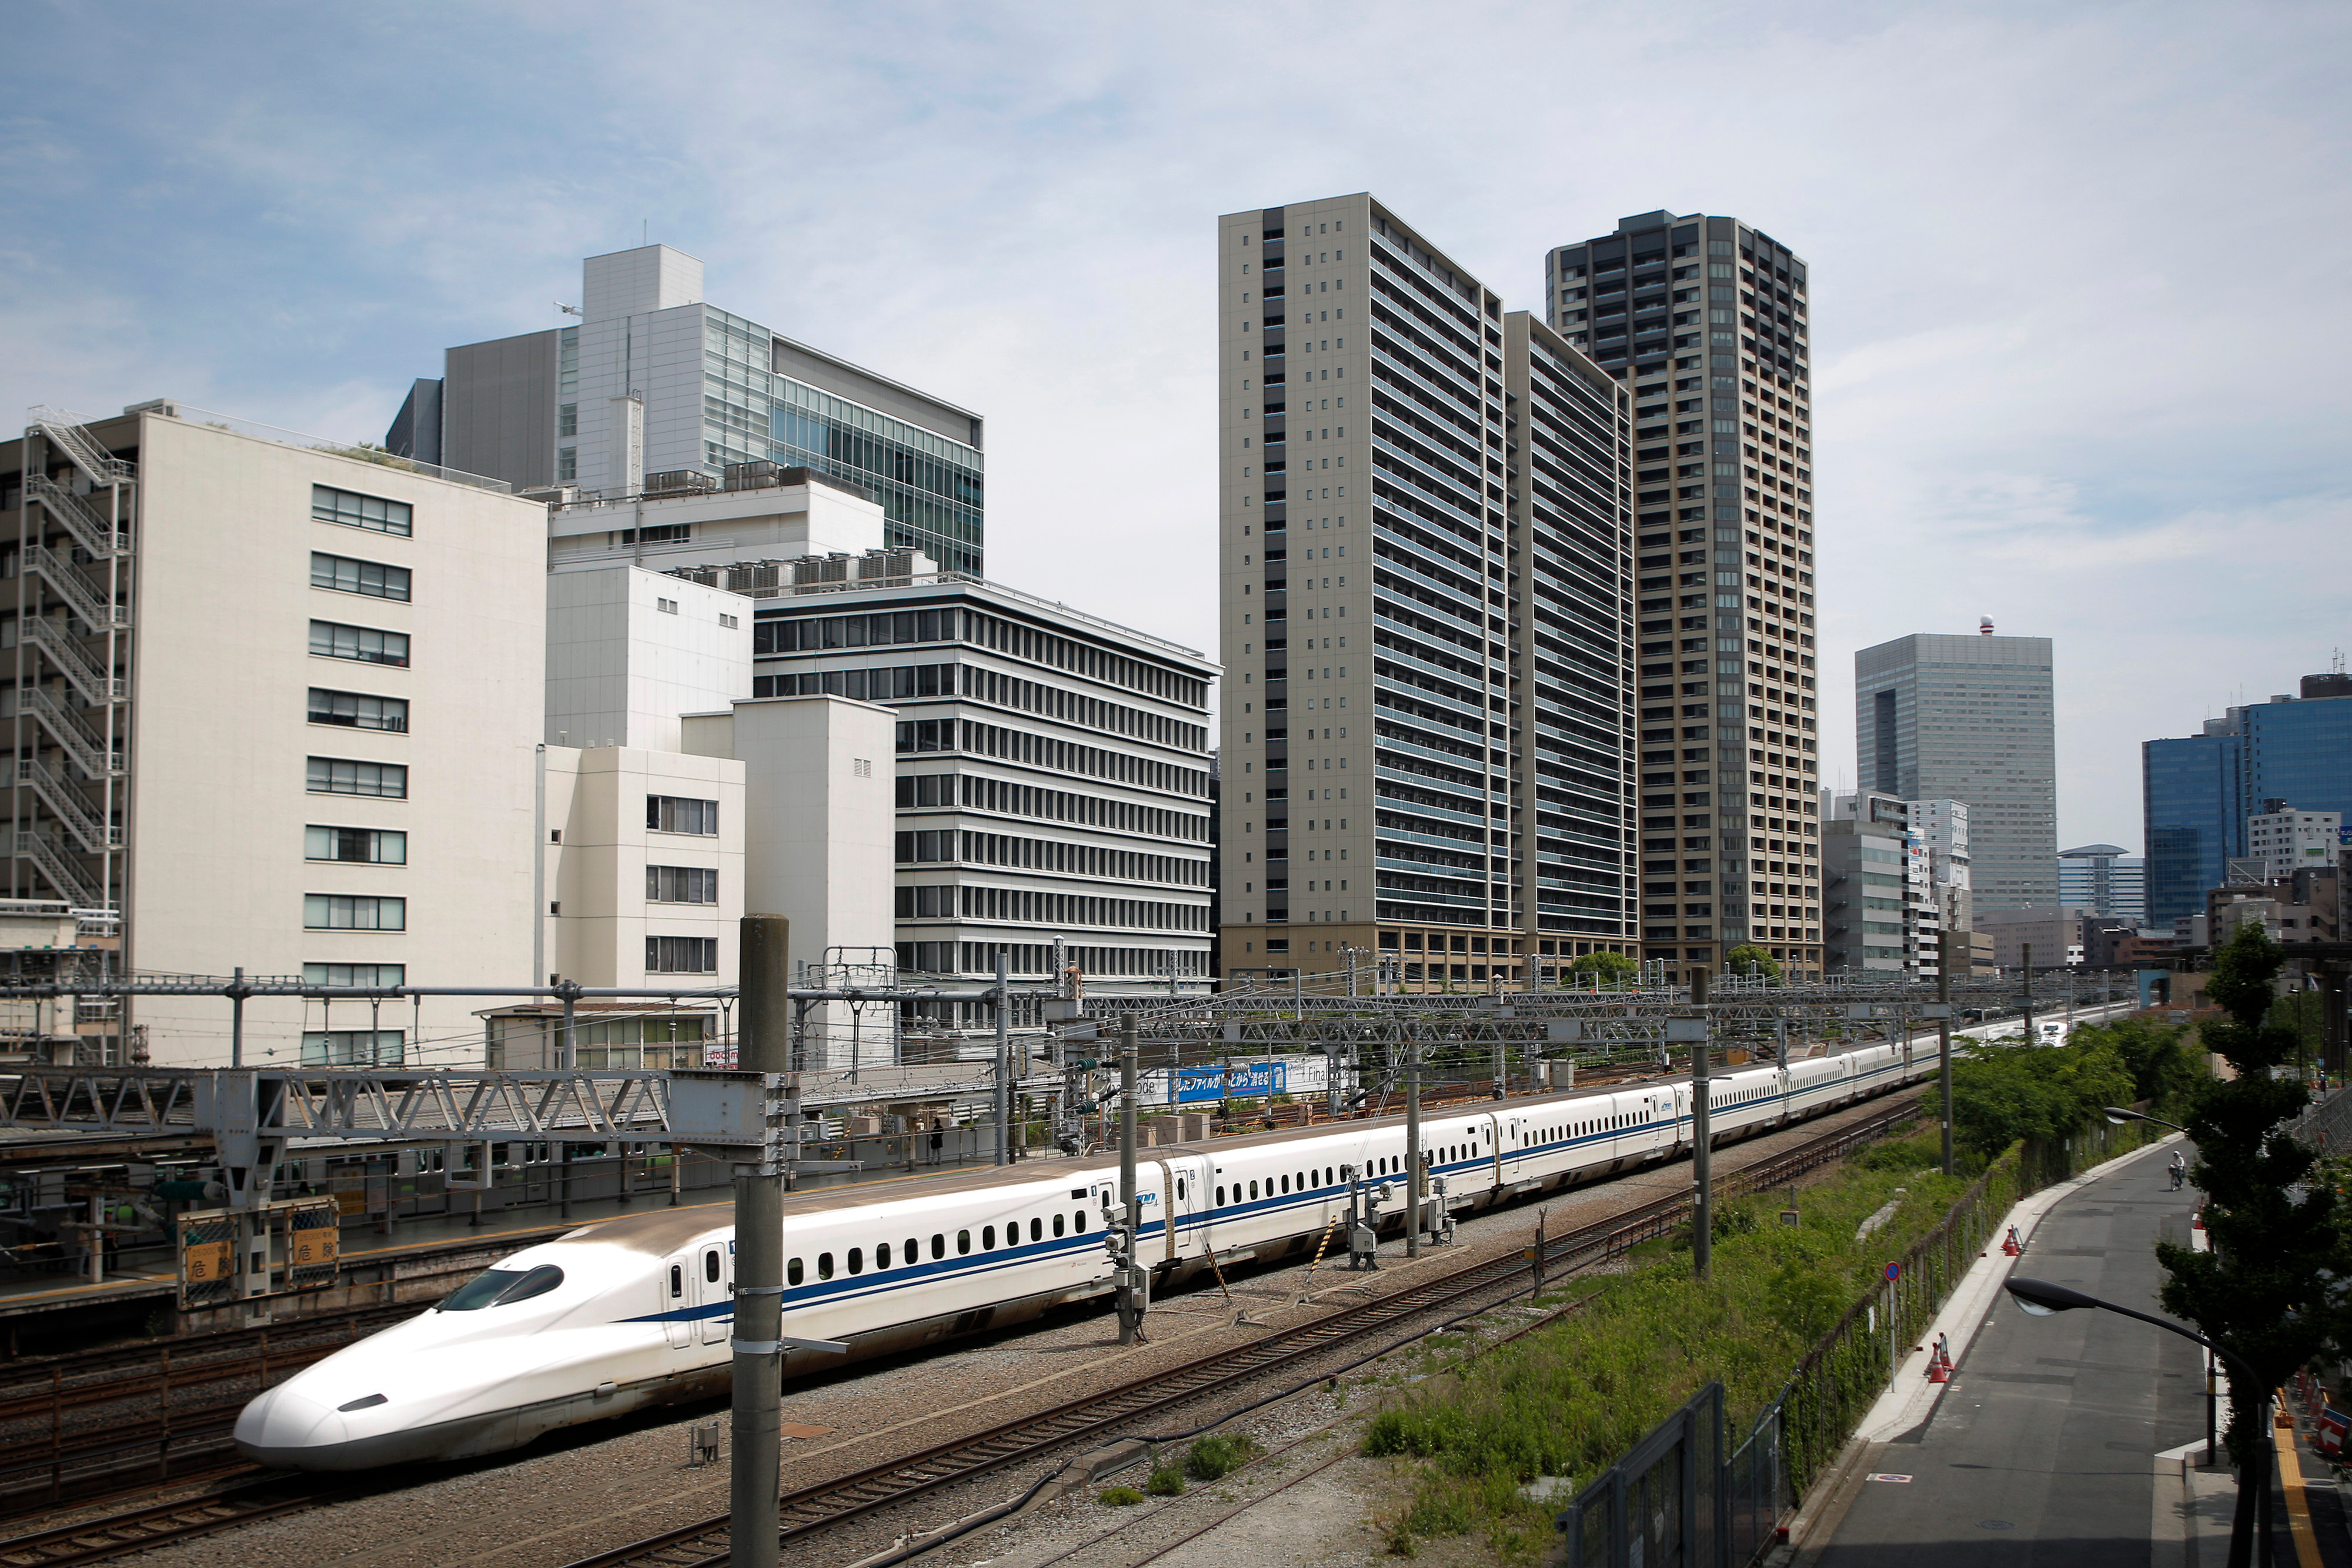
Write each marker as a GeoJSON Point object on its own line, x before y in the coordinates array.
{"type": "Point", "coordinates": [2079, 303]}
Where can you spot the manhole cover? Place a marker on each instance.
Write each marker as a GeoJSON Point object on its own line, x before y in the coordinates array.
{"type": "Point", "coordinates": [1994, 1524]}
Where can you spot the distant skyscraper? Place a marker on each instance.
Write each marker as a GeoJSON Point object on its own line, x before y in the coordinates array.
{"type": "Point", "coordinates": [1706, 319]}
{"type": "Point", "coordinates": [2104, 879]}
{"type": "Point", "coordinates": [654, 383]}
{"type": "Point", "coordinates": [1970, 718]}
{"type": "Point", "coordinates": [2199, 790]}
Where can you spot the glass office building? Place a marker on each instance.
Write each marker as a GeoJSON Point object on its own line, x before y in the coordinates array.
{"type": "Point", "coordinates": [655, 386]}
{"type": "Point", "coordinates": [2197, 790]}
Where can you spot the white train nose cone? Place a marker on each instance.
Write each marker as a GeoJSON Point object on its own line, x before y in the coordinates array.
{"type": "Point", "coordinates": [286, 1425]}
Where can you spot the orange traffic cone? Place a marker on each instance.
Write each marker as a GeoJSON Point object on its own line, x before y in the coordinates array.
{"type": "Point", "coordinates": [2011, 1244]}
{"type": "Point", "coordinates": [1939, 1365]}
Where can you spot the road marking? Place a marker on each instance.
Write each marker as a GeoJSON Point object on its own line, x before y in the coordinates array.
{"type": "Point", "coordinates": [1879, 1478]}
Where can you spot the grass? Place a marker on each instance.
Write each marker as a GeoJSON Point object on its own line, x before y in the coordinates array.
{"type": "Point", "coordinates": [1119, 1497]}
{"type": "Point", "coordinates": [1168, 1480]}
{"type": "Point", "coordinates": [1219, 1454]}
{"type": "Point", "coordinates": [1569, 1399]}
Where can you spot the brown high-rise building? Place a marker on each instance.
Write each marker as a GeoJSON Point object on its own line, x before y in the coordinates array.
{"type": "Point", "coordinates": [1705, 321]}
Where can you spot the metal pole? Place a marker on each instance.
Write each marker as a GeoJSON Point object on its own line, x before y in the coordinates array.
{"type": "Point", "coordinates": [236, 1020]}
{"type": "Point", "coordinates": [1702, 1136]}
{"type": "Point", "coordinates": [1004, 1069]}
{"type": "Point", "coordinates": [763, 1045]}
{"type": "Point", "coordinates": [1944, 1034]}
{"type": "Point", "coordinates": [1130, 1320]}
{"type": "Point", "coordinates": [2028, 992]}
{"type": "Point", "coordinates": [565, 1057]}
{"type": "Point", "coordinates": [1413, 1186]}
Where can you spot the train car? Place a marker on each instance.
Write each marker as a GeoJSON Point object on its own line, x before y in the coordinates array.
{"type": "Point", "coordinates": [635, 1312]}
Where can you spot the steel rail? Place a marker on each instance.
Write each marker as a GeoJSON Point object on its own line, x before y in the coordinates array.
{"type": "Point", "coordinates": [811, 1509]}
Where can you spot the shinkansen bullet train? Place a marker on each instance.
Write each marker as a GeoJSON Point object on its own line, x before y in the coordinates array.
{"type": "Point", "coordinates": [635, 1312]}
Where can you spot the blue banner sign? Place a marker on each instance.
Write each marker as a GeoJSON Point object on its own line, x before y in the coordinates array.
{"type": "Point", "coordinates": [1243, 1080]}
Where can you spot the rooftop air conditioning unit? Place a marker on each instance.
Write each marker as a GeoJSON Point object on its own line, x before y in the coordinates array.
{"type": "Point", "coordinates": [679, 481]}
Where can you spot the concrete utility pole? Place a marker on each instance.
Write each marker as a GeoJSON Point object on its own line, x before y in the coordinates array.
{"type": "Point", "coordinates": [1131, 1316]}
{"type": "Point", "coordinates": [2026, 993]}
{"type": "Point", "coordinates": [1702, 1136]}
{"type": "Point", "coordinates": [1413, 1185]}
{"type": "Point", "coordinates": [1944, 1032]}
{"type": "Point", "coordinates": [1004, 1069]}
{"type": "Point", "coordinates": [763, 1046]}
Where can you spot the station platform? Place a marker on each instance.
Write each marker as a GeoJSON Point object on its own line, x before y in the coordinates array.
{"type": "Point", "coordinates": [2076, 1439]}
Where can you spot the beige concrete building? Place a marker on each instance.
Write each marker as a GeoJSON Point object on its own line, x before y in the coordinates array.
{"type": "Point", "coordinates": [274, 701]}
{"type": "Point", "coordinates": [1425, 755]}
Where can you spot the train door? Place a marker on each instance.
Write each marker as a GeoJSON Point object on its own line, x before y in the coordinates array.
{"type": "Point", "coordinates": [714, 1287]}
{"type": "Point", "coordinates": [675, 1304]}
{"type": "Point", "coordinates": [1183, 1184]}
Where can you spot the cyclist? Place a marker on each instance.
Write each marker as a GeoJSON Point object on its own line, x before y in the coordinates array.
{"type": "Point", "coordinates": [2179, 1169]}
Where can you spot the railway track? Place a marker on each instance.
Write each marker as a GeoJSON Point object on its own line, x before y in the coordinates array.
{"type": "Point", "coordinates": [85, 1427]}
{"type": "Point", "coordinates": [241, 1498]}
{"type": "Point", "coordinates": [810, 1510]}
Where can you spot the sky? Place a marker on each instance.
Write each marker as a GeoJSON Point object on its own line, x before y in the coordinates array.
{"type": "Point", "coordinates": [2078, 272]}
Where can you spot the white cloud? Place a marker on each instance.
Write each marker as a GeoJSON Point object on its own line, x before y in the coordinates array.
{"type": "Point", "coordinates": [2078, 312]}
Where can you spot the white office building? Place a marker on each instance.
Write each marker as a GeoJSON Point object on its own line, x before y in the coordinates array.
{"type": "Point", "coordinates": [1943, 827]}
{"type": "Point", "coordinates": [2106, 879]}
{"type": "Point", "coordinates": [2286, 840]}
{"type": "Point", "coordinates": [275, 702]}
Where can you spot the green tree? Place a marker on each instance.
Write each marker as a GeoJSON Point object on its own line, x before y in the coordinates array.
{"type": "Point", "coordinates": [2164, 1069]}
{"type": "Point", "coordinates": [1607, 965]}
{"type": "Point", "coordinates": [2273, 1288]}
{"type": "Point", "coordinates": [1749, 959]}
{"type": "Point", "coordinates": [2003, 1092]}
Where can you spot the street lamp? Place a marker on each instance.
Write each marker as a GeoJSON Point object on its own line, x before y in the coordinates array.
{"type": "Point", "coordinates": [2043, 1299]}
{"type": "Point", "coordinates": [2119, 1116]}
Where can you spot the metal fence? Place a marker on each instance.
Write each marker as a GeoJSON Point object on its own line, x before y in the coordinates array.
{"type": "Point", "coordinates": [1677, 1501]}
{"type": "Point", "coordinates": [1661, 1506]}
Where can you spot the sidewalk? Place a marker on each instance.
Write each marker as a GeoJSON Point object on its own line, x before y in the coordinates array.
{"type": "Point", "coordinates": [2043, 1448]}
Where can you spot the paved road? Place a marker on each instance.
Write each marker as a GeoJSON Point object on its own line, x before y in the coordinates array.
{"type": "Point", "coordinates": [2040, 1451]}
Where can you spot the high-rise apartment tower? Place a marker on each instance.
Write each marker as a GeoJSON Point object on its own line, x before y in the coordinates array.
{"type": "Point", "coordinates": [1705, 321]}
{"type": "Point", "coordinates": [1426, 752]}
{"type": "Point", "coordinates": [1970, 718]}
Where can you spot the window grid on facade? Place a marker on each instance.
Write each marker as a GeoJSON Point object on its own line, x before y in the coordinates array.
{"type": "Point", "coordinates": [354, 510]}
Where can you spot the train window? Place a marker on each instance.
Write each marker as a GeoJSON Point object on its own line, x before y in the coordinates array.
{"type": "Point", "coordinates": [1057, 1225]}
{"type": "Point", "coordinates": [1078, 1221]}
{"type": "Point", "coordinates": [1286, 1183]}
{"type": "Point", "coordinates": [825, 1265]}
{"type": "Point", "coordinates": [857, 1260]}
{"type": "Point", "coordinates": [793, 1272]}
{"type": "Point", "coordinates": [678, 1281]}
{"type": "Point", "coordinates": [913, 1253]}
{"type": "Point", "coordinates": [964, 1242]}
{"type": "Point", "coordinates": [497, 1287]}
{"type": "Point", "coordinates": [711, 1264]}
{"type": "Point", "coordinates": [882, 1256]}
{"type": "Point", "coordinates": [938, 1245]}
{"type": "Point", "coordinates": [1329, 1179]}
{"type": "Point", "coordinates": [1180, 1188]}
{"type": "Point", "coordinates": [1221, 1198]}
{"type": "Point", "coordinates": [988, 1238]}
{"type": "Point", "coordinates": [1252, 1192]}
{"type": "Point", "coordinates": [1036, 1231]}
